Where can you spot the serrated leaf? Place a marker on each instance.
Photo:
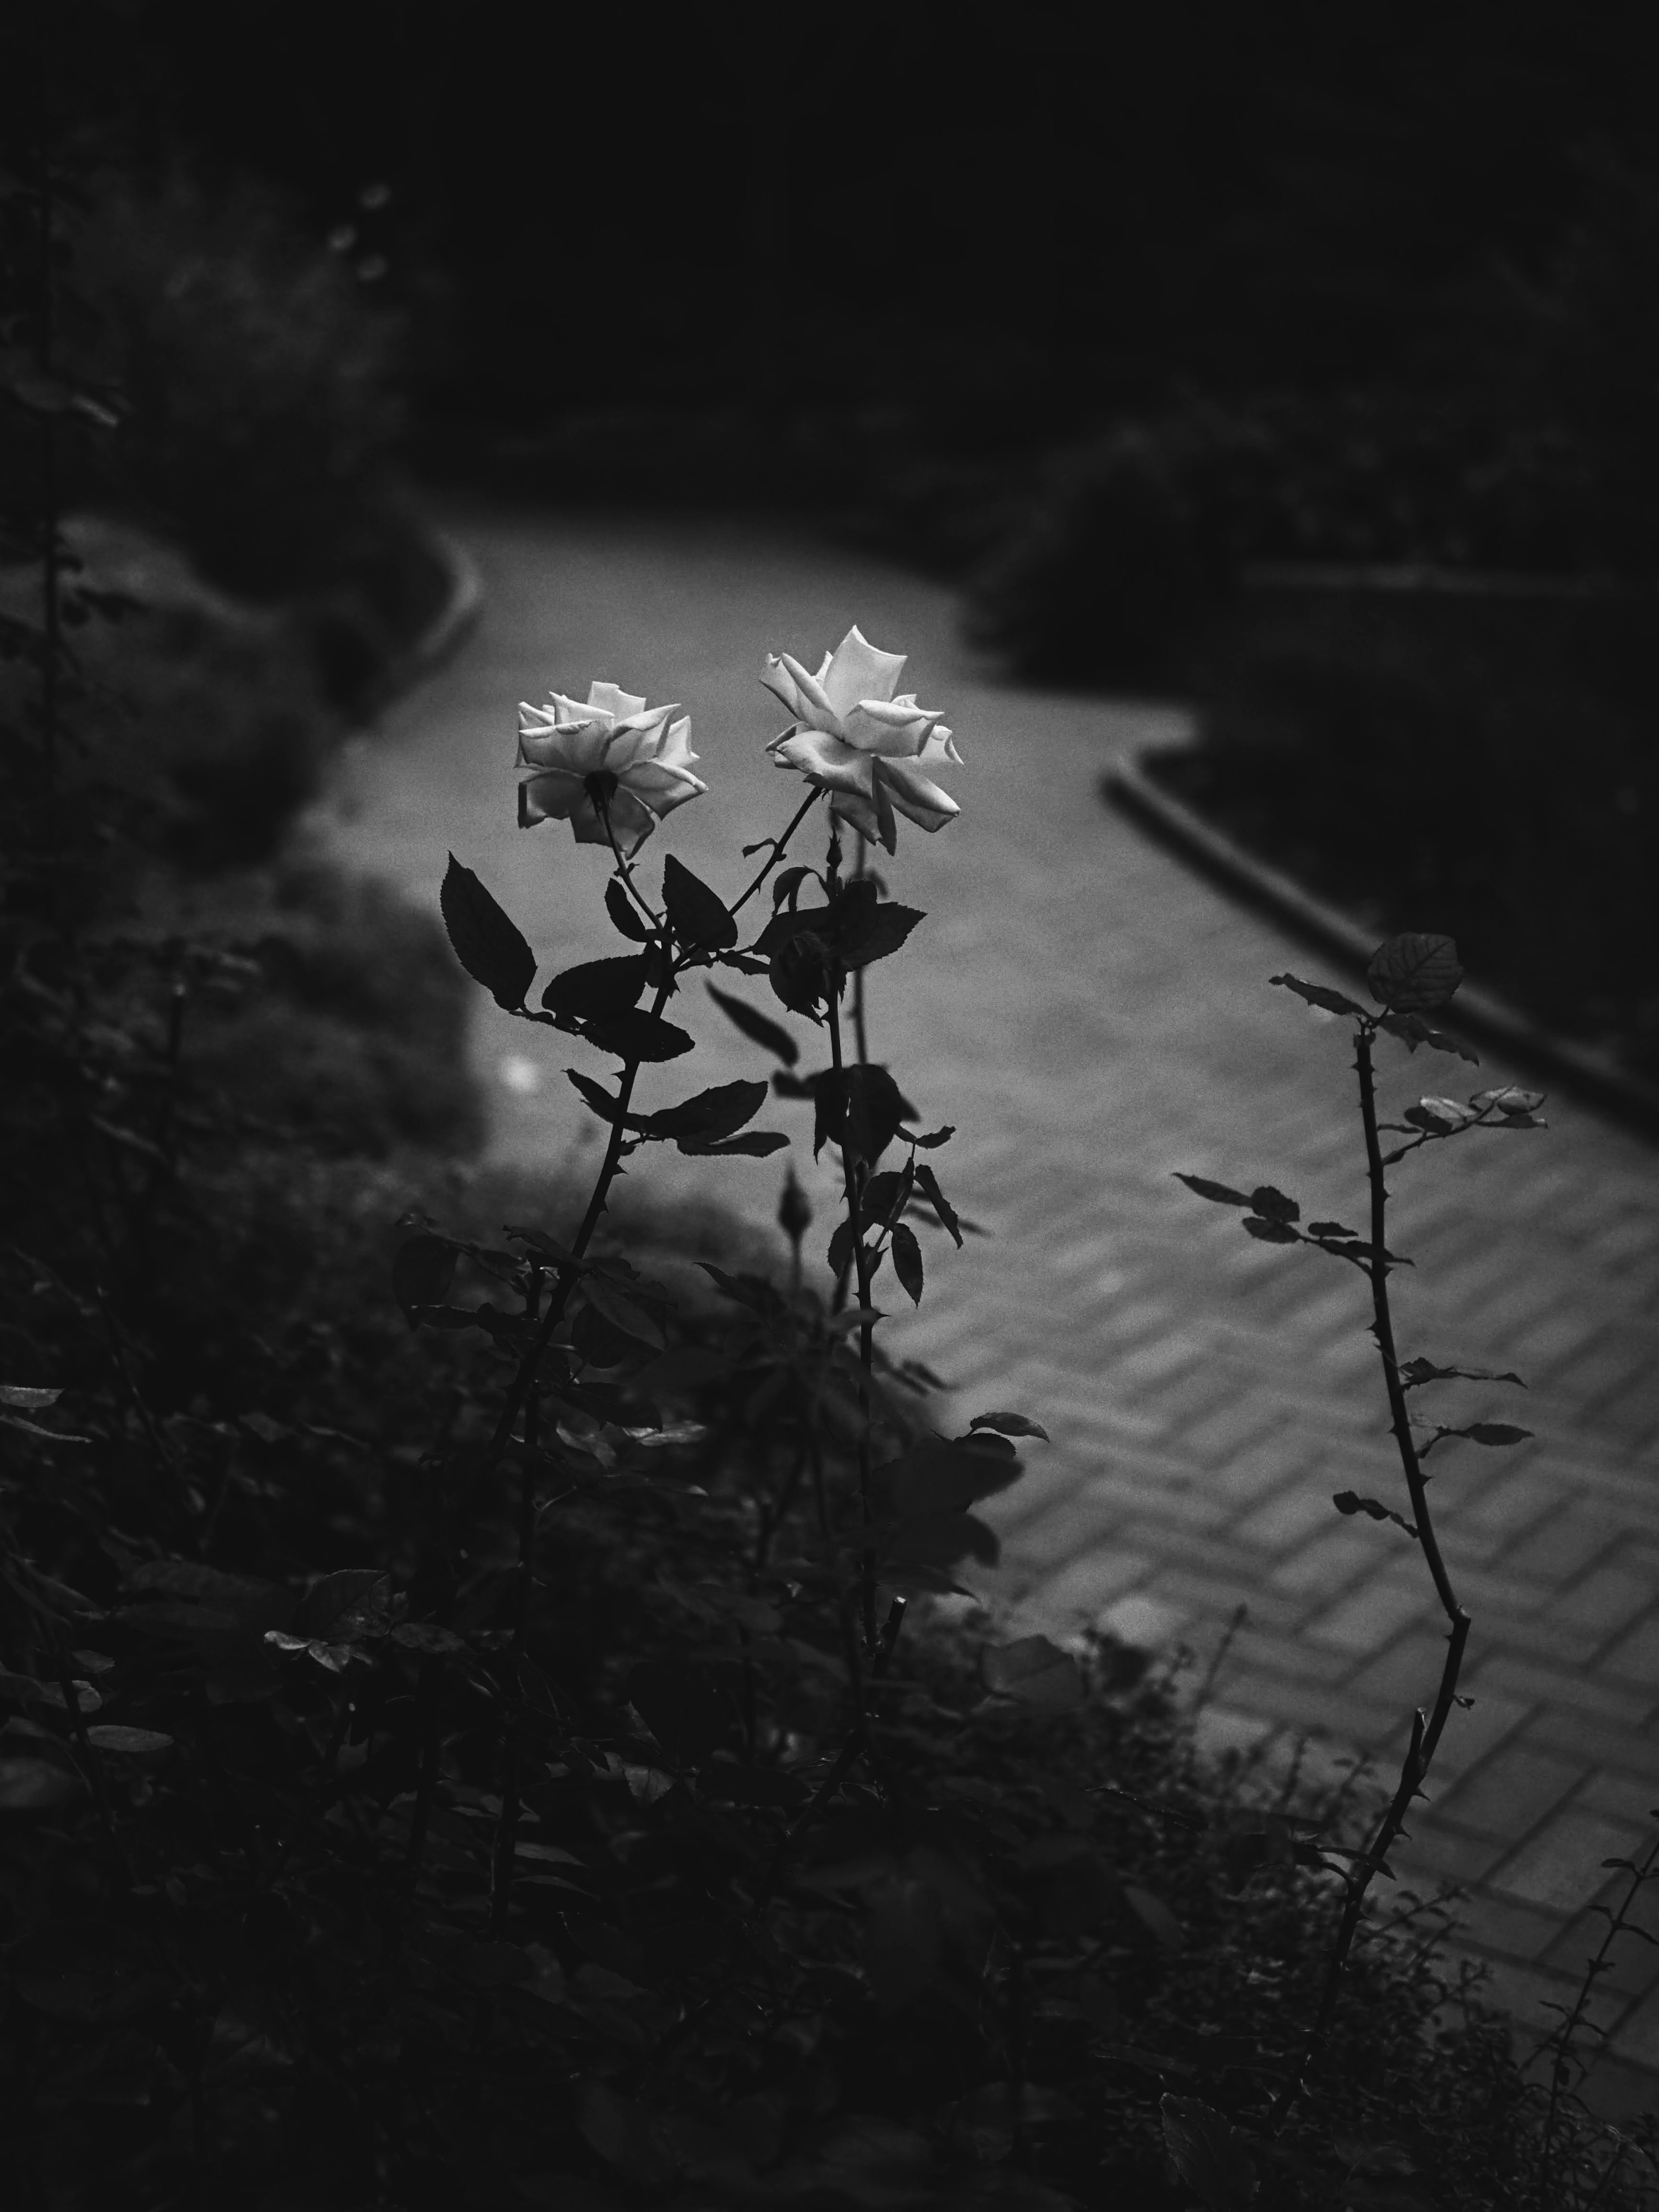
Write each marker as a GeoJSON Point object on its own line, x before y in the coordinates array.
{"type": "Point", "coordinates": [907, 1261]}
{"type": "Point", "coordinates": [596, 987]}
{"type": "Point", "coordinates": [1009, 1424]}
{"type": "Point", "coordinates": [1209, 2154]}
{"type": "Point", "coordinates": [1414, 972]}
{"type": "Point", "coordinates": [421, 1273]}
{"type": "Point", "coordinates": [622, 1312]}
{"type": "Point", "coordinates": [1219, 1194]}
{"type": "Point", "coordinates": [1348, 1501]}
{"type": "Point", "coordinates": [134, 1742]}
{"type": "Point", "coordinates": [798, 974]}
{"type": "Point", "coordinates": [1272, 1232]}
{"type": "Point", "coordinates": [933, 1138]}
{"type": "Point", "coordinates": [1035, 1672]}
{"type": "Point", "coordinates": [488, 943]}
{"type": "Point", "coordinates": [697, 915]}
{"type": "Point", "coordinates": [885, 931]}
{"type": "Point", "coordinates": [1418, 1371]}
{"type": "Point", "coordinates": [1318, 995]}
{"type": "Point", "coordinates": [928, 1183]}
{"type": "Point", "coordinates": [602, 1102]}
{"type": "Point", "coordinates": [426, 1637]}
{"type": "Point", "coordinates": [29, 1401]}
{"type": "Point", "coordinates": [875, 1107]}
{"type": "Point", "coordinates": [1507, 1098]}
{"type": "Point", "coordinates": [751, 1293]}
{"type": "Point", "coordinates": [1493, 1432]}
{"type": "Point", "coordinates": [1438, 1115]}
{"type": "Point", "coordinates": [1323, 1228]}
{"type": "Point", "coordinates": [352, 1602]}
{"type": "Point", "coordinates": [754, 1144]}
{"type": "Point", "coordinates": [758, 1027]}
{"type": "Point", "coordinates": [1416, 1031]}
{"type": "Point", "coordinates": [637, 1035]}
{"type": "Point", "coordinates": [624, 912]}
{"type": "Point", "coordinates": [1273, 1204]}
{"type": "Point", "coordinates": [720, 1111]}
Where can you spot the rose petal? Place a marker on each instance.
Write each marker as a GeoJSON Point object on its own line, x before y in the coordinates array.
{"type": "Point", "coordinates": [660, 786]}
{"type": "Point", "coordinates": [896, 732]}
{"type": "Point", "coordinates": [617, 704]}
{"type": "Point", "coordinates": [814, 706]}
{"type": "Point", "coordinates": [676, 749]}
{"type": "Point", "coordinates": [637, 738]}
{"type": "Point", "coordinates": [826, 759]}
{"type": "Point", "coordinates": [551, 796]}
{"type": "Point", "coordinates": [545, 749]}
{"type": "Point", "coordinates": [853, 806]}
{"type": "Point", "coordinates": [579, 746]}
{"type": "Point", "coordinates": [913, 794]}
{"type": "Point", "coordinates": [858, 670]}
{"type": "Point", "coordinates": [940, 746]}
{"type": "Point", "coordinates": [782, 684]}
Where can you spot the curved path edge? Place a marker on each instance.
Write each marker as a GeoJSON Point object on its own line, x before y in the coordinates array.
{"type": "Point", "coordinates": [1477, 1014]}
{"type": "Point", "coordinates": [453, 624]}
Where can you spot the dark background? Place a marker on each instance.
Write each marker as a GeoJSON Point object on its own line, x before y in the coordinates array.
{"type": "Point", "coordinates": [984, 227]}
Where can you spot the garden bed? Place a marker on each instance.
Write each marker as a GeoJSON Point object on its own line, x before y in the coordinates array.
{"type": "Point", "coordinates": [1478, 758]}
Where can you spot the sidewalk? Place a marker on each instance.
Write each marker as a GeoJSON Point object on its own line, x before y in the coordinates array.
{"type": "Point", "coordinates": [1094, 1017]}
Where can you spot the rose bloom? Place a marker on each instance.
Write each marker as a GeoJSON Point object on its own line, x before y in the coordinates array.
{"type": "Point", "coordinates": [858, 740]}
{"type": "Point", "coordinates": [571, 754]}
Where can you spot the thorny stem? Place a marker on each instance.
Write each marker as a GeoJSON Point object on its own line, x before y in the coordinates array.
{"type": "Point", "coordinates": [624, 864]}
{"type": "Point", "coordinates": [1425, 1733]}
{"type": "Point", "coordinates": [565, 1280]}
{"type": "Point", "coordinates": [860, 1039]}
{"type": "Point", "coordinates": [520, 1397]}
{"type": "Point", "coordinates": [780, 846]}
{"type": "Point", "coordinates": [852, 1169]}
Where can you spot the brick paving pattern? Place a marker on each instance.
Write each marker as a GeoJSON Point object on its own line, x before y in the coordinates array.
{"type": "Point", "coordinates": [1093, 1017]}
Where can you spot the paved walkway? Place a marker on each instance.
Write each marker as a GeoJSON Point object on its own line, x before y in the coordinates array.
{"type": "Point", "coordinates": [1092, 1017]}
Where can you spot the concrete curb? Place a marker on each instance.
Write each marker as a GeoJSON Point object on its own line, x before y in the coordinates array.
{"type": "Point", "coordinates": [451, 625]}
{"type": "Point", "coordinates": [1477, 1014]}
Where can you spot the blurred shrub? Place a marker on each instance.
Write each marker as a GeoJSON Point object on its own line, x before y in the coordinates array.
{"type": "Point", "coordinates": [357, 1044]}
{"type": "Point", "coordinates": [1118, 564]}
{"type": "Point", "coordinates": [260, 410]}
{"type": "Point", "coordinates": [1127, 548]}
{"type": "Point", "coordinates": [1486, 758]}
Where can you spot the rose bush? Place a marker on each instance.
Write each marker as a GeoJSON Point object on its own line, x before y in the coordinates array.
{"type": "Point", "coordinates": [860, 741]}
{"type": "Point", "coordinates": [611, 754]}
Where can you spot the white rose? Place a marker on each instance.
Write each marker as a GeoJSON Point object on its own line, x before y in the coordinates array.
{"type": "Point", "coordinates": [566, 746]}
{"type": "Point", "coordinates": [858, 740]}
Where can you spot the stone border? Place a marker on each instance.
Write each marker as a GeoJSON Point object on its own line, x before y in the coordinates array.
{"type": "Point", "coordinates": [1477, 1014]}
